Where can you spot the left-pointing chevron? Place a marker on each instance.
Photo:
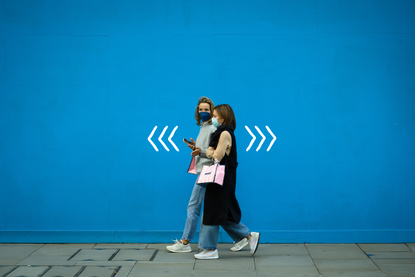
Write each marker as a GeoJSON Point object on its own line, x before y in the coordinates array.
{"type": "Point", "coordinates": [161, 137]}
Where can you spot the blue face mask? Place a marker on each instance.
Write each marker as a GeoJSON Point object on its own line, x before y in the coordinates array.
{"type": "Point", "coordinates": [205, 116]}
{"type": "Point", "coordinates": [215, 122]}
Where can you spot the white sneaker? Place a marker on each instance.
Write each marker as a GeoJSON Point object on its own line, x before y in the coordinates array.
{"type": "Point", "coordinates": [254, 241]}
{"type": "Point", "coordinates": [240, 244]}
{"type": "Point", "coordinates": [179, 247]}
{"type": "Point", "coordinates": [207, 255]}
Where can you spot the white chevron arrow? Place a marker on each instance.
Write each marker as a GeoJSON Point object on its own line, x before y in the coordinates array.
{"type": "Point", "coordinates": [171, 135]}
{"type": "Point", "coordinates": [160, 138]}
{"type": "Point", "coordinates": [274, 138]}
{"type": "Point", "coordinates": [149, 139]}
{"type": "Point", "coordinates": [263, 138]}
{"type": "Point", "coordinates": [253, 138]}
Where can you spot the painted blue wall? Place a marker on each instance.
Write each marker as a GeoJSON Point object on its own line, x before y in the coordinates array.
{"type": "Point", "coordinates": [84, 83]}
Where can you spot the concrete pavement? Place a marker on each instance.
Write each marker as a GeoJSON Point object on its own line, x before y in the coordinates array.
{"type": "Point", "coordinates": [134, 260]}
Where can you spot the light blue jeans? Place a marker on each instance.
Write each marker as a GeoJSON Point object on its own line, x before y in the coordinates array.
{"type": "Point", "coordinates": [193, 210]}
{"type": "Point", "coordinates": [208, 237]}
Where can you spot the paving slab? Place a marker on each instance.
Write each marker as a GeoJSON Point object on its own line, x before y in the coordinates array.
{"type": "Point", "coordinates": [64, 252]}
{"type": "Point", "coordinates": [62, 271]}
{"type": "Point", "coordinates": [325, 265]}
{"type": "Point", "coordinates": [398, 270]}
{"type": "Point", "coordinates": [169, 257]}
{"type": "Point", "coordinates": [284, 271]}
{"type": "Point", "coordinates": [391, 255]}
{"type": "Point", "coordinates": [106, 263]}
{"type": "Point", "coordinates": [28, 271]}
{"type": "Point", "coordinates": [5, 268]}
{"type": "Point", "coordinates": [11, 254]}
{"type": "Point", "coordinates": [393, 261]}
{"type": "Point", "coordinates": [124, 271]}
{"type": "Point", "coordinates": [121, 245]}
{"type": "Point", "coordinates": [209, 273]}
{"type": "Point", "coordinates": [55, 254]}
{"type": "Point", "coordinates": [334, 251]}
{"type": "Point", "coordinates": [227, 247]}
{"type": "Point", "coordinates": [162, 246]}
{"type": "Point", "coordinates": [353, 274]}
{"type": "Point", "coordinates": [134, 255]}
{"type": "Point", "coordinates": [411, 246]}
{"type": "Point", "coordinates": [46, 260]}
{"type": "Point", "coordinates": [280, 249]}
{"type": "Point", "coordinates": [226, 263]}
{"type": "Point", "coordinates": [101, 271]}
{"type": "Point", "coordinates": [69, 245]}
{"type": "Point", "coordinates": [287, 261]}
{"type": "Point", "coordinates": [161, 269]}
{"type": "Point", "coordinates": [94, 255]}
{"type": "Point", "coordinates": [383, 247]}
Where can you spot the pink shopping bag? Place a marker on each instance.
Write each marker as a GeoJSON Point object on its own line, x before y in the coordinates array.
{"type": "Point", "coordinates": [192, 167]}
{"type": "Point", "coordinates": [212, 174]}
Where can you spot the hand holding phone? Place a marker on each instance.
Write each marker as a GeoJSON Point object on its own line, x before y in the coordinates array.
{"type": "Point", "coordinates": [189, 142]}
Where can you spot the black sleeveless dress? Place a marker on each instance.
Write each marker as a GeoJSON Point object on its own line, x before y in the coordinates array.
{"type": "Point", "coordinates": [220, 201]}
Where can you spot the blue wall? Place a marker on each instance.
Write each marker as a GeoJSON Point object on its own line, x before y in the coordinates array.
{"type": "Point", "coordinates": [84, 83]}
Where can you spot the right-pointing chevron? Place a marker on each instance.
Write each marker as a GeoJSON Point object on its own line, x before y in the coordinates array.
{"type": "Point", "coordinates": [253, 138]}
{"type": "Point", "coordinates": [263, 138]}
{"type": "Point", "coordinates": [274, 138]}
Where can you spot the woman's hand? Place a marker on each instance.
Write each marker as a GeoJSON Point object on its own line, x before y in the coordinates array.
{"type": "Point", "coordinates": [193, 147]}
{"type": "Point", "coordinates": [196, 151]}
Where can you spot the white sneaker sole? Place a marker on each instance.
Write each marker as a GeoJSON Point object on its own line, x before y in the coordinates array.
{"type": "Point", "coordinates": [206, 258]}
{"type": "Point", "coordinates": [239, 249]}
{"type": "Point", "coordinates": [256, 246]}
{"type": "Point", "coordinates": [179, 251]}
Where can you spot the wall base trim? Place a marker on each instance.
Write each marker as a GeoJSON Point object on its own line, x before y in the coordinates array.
{"type": "Point", "coordinates": [276, 236]}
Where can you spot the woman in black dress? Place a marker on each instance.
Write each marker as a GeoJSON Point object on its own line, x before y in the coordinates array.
{"type": "Point", "coordinates": [221, 207]}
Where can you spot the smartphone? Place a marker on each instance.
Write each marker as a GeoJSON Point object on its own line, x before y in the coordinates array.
{"type": "Point", "coordinates": [188, 141]}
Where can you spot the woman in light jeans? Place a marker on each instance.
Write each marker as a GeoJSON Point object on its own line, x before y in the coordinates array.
{"type": "Point", "coordinates": [203, 117]}
{"type": "Point", "coordinates": [221, 206]}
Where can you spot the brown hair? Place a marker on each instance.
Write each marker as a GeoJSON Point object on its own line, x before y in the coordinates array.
{"type": "Point", "coordinates": [225, 111]}
{"type": "Point", "coordinates": [204, 99]}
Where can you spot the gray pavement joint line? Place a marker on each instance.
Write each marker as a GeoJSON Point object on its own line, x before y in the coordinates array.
{"type": "Point", "coordinates": [34, 251]}
{"type": "Point", "coordinates": [115, 271]}
{"type": "Point", "coordinates": [44, 272]}
{"type": "Point", "coordinates": [370, 259]}
{"type": "Point", "coordinates": [319, 273]}
{"type": "Point", "coordinates": [128, 274]}
{"type": "Point", "coordinates": [154, 255]}
{"type": "Point", "coordinates": [408, 247]}
{"type": "Point", "coordinates": [74, 254]}
{"type": "Point", "coordinates": [80, 271]}
{"type": "Point", "coordinates": [10, 271]}
{"type": "Point", "coordinates": [194, 265]}
{"type": "Point", "coordinates": [114, 254]}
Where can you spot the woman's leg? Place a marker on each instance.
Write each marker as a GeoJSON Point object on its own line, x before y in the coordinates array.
{"type": "Point", "coordinates": [208, 236]}
{"type": "Point", "coordinates": [242, 236]}
{"type": "Point", "coordinates": [236, 231]}
{"type": "Point", "coordinates": [193, 211]}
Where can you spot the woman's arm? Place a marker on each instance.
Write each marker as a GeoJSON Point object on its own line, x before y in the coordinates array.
{"type": "Point", "coordinates": [225, 142]}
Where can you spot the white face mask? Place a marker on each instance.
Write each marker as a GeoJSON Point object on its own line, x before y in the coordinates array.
{"type": "Point", "coordinates": [215, 122]}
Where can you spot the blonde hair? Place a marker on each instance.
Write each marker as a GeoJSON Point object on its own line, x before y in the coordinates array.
{"type": "Point", "coordinates": [204, 99]}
